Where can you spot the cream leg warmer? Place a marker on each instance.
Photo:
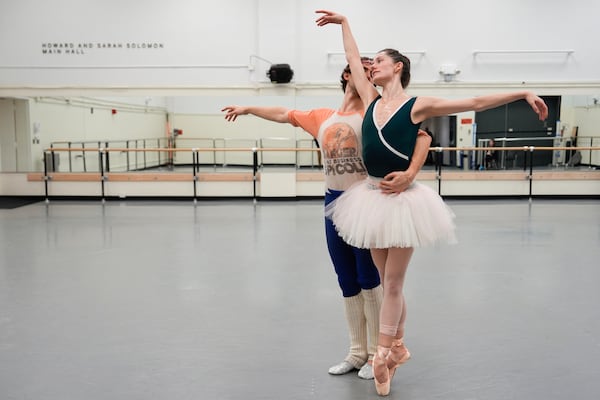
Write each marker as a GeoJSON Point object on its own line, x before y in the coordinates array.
{"type": "Point", "coordinates": [372, 298]}
{"type": "Point", "coordinates": [358, 330]}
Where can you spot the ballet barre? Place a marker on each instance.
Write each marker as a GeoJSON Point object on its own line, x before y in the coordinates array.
{"type": "Point", "coordinates": [442, 173]}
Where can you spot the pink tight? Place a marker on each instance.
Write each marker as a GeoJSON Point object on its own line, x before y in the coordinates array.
{"type": "Point", "coordinates": [392, 265]}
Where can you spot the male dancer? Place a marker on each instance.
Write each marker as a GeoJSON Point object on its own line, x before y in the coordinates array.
{"type": "Point", "coordinates": [338, 133]}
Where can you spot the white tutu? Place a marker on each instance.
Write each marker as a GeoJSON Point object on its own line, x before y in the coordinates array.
{"type": "Point", "coordinates": [367, 218]}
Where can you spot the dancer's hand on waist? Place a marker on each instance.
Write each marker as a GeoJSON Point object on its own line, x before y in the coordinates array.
{"type": "Point", "coordinates": [396, 182]}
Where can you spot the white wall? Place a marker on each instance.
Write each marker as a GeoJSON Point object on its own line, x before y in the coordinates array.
{"type": "Point", "coordinates": [588, 123]}
{"type": "Point", "coordinates": [201, 43]}
{"type": "Point", "coordinates": [200, 118]}
{"type": "Point", "coordinates": [90, 120]}
{"type": "Point", "coordinates": [205, 55]}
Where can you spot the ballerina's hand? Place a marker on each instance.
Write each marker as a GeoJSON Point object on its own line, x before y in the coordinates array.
{"type": "Point", "coordinates": [329, 17]}
{"type": "Point", "coordinates": [395, 182]}
{"type": "Point", "coordinates": [538, 105]}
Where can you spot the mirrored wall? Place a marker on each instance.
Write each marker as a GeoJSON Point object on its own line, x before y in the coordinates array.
{"type": "Point", "coordinates": [29, 126]}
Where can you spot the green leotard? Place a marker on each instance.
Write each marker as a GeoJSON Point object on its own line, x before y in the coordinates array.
{"type": "Point", "coordinates": [389, 148]}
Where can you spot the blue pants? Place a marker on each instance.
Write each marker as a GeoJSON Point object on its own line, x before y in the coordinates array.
{"type": "Point", "coordinates": [354, 267]}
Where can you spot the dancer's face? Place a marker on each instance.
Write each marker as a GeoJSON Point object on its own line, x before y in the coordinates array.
{"type": "Point", "coordinates": [384, 68]}
{"type": "Point", "coordinates": [367, 66]}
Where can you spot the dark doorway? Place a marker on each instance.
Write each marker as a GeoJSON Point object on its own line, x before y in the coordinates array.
{"type": "Point", "coordinates": [516, 125]}
{"type": "Point", "coordinates": [443, 134]}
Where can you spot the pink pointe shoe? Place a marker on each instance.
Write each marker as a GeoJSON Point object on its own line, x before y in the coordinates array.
{"type": "Point", "coordinates": [381, 373]}
{"type": "Point", "coordinates": [397, 356]}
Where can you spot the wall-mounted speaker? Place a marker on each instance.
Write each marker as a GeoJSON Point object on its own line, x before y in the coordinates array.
{"type": "Point", "coordinates": [280, 73]}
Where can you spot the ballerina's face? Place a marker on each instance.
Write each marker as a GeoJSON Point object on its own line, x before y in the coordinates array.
{"type": "Point", "coordinates": [384, 68]}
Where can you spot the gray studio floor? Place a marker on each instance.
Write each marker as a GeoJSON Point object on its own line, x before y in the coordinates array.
{"type": "Point", "coordinates": [144, 300]}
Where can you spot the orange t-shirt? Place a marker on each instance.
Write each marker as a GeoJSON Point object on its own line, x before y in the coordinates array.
{"type": "Point", "coordinates": [339, 137]}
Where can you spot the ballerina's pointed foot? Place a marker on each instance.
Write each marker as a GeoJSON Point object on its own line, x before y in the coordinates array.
{"type": "Point", "coordinates": [397, 356]}
{"type": "Point", "coordinates": [381, 373]}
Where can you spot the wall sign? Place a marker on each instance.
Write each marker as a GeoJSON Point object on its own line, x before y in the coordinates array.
{"type": "Point", "coordinates": [82, 48]}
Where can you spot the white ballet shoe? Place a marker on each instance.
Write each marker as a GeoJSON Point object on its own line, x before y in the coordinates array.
{"type": "Point", "coordinates": [342, 368]}
{"type": "Point", "coordinates": [366, 371]}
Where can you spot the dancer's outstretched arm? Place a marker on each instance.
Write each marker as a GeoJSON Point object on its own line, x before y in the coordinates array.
{"type": "Point", "coordinates": [427, 107]}
{"type": "Point", "coordinates": [275, 114]}
{"type": "Point", "coordinates": [365, 88]}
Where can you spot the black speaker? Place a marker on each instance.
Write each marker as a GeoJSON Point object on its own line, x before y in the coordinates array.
{"type": "Point", "coordinates": [280, 73]}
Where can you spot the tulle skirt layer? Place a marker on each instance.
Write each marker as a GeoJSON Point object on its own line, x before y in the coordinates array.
{"type": "Point", "coordinates": [367, 218]}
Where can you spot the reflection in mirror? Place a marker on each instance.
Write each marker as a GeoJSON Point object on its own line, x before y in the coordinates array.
{"type": "Point", "coordinates": [30, 125]}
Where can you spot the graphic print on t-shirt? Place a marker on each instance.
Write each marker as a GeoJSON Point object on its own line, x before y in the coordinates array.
{"type": "Point", "coordinates": [341, 150]}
